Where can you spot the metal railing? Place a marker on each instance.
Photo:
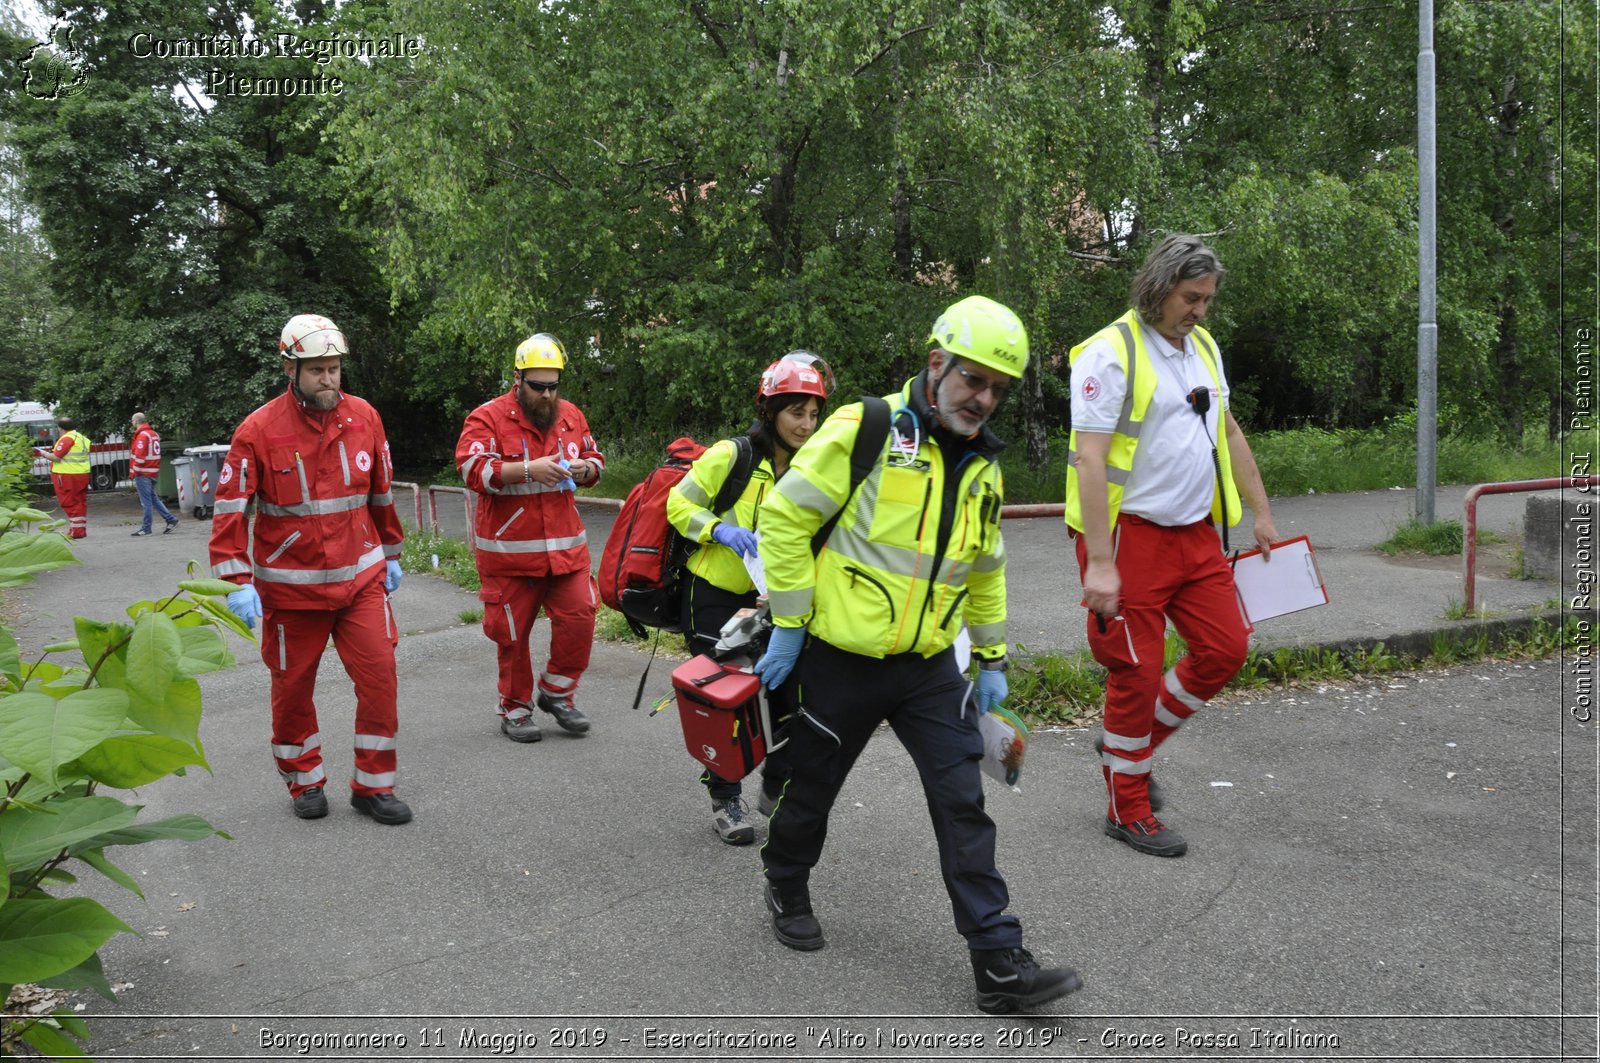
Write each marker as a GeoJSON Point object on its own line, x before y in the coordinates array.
{"type": "Point", "coordinates": [434, 490]}
{"type": "Point", "coordinates": [1469, 531]}
{"type": "Point", "coordinates": [416, 497]}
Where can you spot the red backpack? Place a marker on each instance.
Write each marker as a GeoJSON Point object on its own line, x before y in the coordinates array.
{"type": "Point", "coordinates": [641, 569]}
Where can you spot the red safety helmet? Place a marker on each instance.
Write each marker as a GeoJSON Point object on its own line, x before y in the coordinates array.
{"type": "Point", "coordinates": [797, 373]}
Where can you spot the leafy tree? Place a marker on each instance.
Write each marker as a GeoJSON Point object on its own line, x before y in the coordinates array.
{"type": "Point", "coordinates": [186, 230]}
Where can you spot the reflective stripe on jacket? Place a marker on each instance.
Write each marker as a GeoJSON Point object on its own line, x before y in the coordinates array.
{"type": "Point", "coordinates": [689, 510]}
{"type": "Point", "coordinates": [1127, 336]}
{"type": "Point", "coordinates": [145, 452]}
{"type": "Point", "coordinates": [877, 587]}
{"type": "Point", "coordinates": [524, 529]}
{"type": "Point", "coordinates": [325, 517]}
{"type": "Point", "coordinates": [74, 460]}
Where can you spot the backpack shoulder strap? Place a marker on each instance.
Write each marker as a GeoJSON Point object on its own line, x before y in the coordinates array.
{"type": "Point", "coordinates": [744, 454]}
{"type": "Point", "coordinates": [864, 455]}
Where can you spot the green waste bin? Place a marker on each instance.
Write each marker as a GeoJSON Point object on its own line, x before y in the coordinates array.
{"type": "Point", "coordinates": [167, 477]}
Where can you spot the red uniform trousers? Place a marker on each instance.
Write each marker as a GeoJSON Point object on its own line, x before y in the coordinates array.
{"type": "Point", "coordinates": [510, 605]}
{"type": "Point", "coordinates": [292, 643]}
{"type": "Point", "coordinates": [1179, 573]}
{"type": "Point", "coordinates": [72, 491]}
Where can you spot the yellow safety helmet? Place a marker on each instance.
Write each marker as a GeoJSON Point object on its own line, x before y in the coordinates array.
{"type": "Point", "coordinates": [983, 331]}
{"type": "Point", "coordinates": [541, 351]}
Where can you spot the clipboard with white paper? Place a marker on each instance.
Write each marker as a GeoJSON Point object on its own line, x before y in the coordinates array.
{"type": "Point", "coordinates": [1287, 583]}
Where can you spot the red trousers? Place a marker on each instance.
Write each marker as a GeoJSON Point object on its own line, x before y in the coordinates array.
{"type": "Point", "coordinates": [510, 605]}
{"type": "Point", "coordinates": [1167, 573]}
{"type": "Point", "coordinates": [72, 491]}
{"type": "Point", "coordinates": [364, 634]}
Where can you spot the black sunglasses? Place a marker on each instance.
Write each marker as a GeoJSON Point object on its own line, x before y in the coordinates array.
{"type": "Point", "coordinates": [539, 385]}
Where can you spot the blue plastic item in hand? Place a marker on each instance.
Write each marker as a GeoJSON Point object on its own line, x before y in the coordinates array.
{"type": "Point", "coordinates": [245, 604]}
{"type": "Point", "coordinates": [992, 689]}
{"type": "Point", "coordinates": [741, 541]}
{"type": "Point", "coordinates": [782, 651]}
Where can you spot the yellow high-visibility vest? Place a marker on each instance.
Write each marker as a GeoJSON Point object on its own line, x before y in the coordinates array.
{"type": "Point", "coordinates": [76, 460]}
{"type": "Point", "coordinates": [1127, 338]}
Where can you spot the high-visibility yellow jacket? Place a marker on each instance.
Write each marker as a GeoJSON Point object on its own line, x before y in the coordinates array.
{"type": "Point", "coordinates": [1127, 336]}
{"type": "Point", "coordinates": [73, 461]}
{"type": "Point", "coordinates": [689, 511]}
{"type": "Point", "coordinates": [916, 552]}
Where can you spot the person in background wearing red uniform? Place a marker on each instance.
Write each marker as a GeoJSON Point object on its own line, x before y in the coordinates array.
{"type": "Point", "coordinates": [69, 473]}
{"type": "Point", "coordinates": [144, 468]}
{"type": "Point", "coordinates": [325, 556]}
{"type": "Point", "coordinates": [1157, 465]}
{"type": "Point", "coordinates": [524, 453]}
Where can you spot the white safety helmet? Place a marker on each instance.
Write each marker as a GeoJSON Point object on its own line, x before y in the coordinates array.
{"type": "Point", "coordinates": [311, 336]}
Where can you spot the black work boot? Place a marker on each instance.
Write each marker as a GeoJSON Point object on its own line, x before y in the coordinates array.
{"type": "Point", "coordinates": [311, 803]}
{"type": "Point", "coordinates": [1009, 980]}
{"type": "Point", "coordinates": [792, 920]}
{"type": "Point", "coordinates": [568, 718]}
{"type": "Point", "coordinates": [1148, 835]}
{"type": "Point", "coordinates": [385, 808]}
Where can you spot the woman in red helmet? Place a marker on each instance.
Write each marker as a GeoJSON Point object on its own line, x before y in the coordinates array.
{"type": "Point", "coordinates": [793, 395]}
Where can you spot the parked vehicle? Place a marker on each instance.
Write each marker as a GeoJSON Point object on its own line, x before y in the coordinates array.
{"type": "Point", "coordinates": [108, 461]}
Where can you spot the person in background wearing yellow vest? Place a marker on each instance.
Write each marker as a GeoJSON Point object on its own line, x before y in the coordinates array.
{"type": "Point", "coordinates": [915, 553]}
{"type": "Point", "coordinates": [1157, 463]}
{"type": "Point", "coordinates": [69, 472]}
{"type": "Point", "coordinates": [793, 393]}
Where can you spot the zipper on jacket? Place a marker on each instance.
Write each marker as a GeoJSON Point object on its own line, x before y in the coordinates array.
{"type": "Point", "coordinates": [509, 522]}
{"type": "Point", "coordinates": [244, 470]}
{"type": "Point", "coordinates": [279, 551]}
{"type": "Point", "coordinates": [927, 597]}
{"type": "Point", "coordinates": [953, 606]}
{"type": "Point", "coordinates": [854, 572]}
{"type": "Point", "coordinates": [305, 488]}
{"type": "Point", "coordinates": [344, 463]}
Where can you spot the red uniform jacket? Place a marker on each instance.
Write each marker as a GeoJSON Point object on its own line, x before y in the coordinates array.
{"type": "Point", "coordinates": [325, 516]}
{"type": "Point", "coordinates": [146, 452]}
{"type": "Point", "coordinates": [524, 529]}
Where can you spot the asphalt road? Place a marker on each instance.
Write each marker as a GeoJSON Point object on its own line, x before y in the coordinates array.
{"type": "Point", "coordinates": [1393, 868]}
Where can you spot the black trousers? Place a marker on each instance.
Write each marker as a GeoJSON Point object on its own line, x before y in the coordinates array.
{"type": "Point", "coordinates": [844, 697]}
{"type": "Point", "coordinates": [706, 607]}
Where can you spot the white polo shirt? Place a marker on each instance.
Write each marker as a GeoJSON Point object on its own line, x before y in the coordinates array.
{"type": "Point", "coordinates": [1173, 480]}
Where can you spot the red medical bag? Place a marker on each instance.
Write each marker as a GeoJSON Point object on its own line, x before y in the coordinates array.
{"type": "Point", "coordinates": [723, 718]}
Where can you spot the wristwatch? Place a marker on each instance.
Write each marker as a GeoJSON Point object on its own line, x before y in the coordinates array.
{"type": "Point", "coordinates": [998, 664]}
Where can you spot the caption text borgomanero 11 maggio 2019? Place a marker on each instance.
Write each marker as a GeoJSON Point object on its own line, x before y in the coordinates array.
{"type": "Point", "coordinates": [321, 50]}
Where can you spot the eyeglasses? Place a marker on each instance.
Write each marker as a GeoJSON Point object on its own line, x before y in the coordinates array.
{"type": "Point", "coordinates": [540, 385]}
{"type": "Point", "coordinates": [977, 385]}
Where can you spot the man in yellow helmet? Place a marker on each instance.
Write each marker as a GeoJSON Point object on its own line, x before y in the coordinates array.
{"type": "Point", "coordinates": [69, 473]}
{"type": "Point", "coordinates": [916, 552]}
{"type": "Point", "coordinates": [1157, 464]}
{"type": "Point", "coordinates": [524, 454]}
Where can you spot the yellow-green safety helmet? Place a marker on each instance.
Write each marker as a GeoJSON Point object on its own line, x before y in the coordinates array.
{"type": "Point", "coordinates": [541, 351]}
{"type": "Point", "coordinates": [981, 330]}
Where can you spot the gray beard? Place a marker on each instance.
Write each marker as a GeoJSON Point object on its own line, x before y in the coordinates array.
{"type": "Point", "coordinates": [541, 416]}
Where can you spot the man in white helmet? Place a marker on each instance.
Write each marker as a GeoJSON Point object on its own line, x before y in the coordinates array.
{"type": "Point", "coordinates": [321, 564]}
{"type": "Point", "coordinates": [524, 453]}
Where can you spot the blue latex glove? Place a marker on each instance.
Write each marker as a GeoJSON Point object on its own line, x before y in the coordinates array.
{"type": "Point", "coordinates": [741, 541]}
{"type": "Point", "coordinates": [784, 649]}
{"type": "Point", "coordinates": [391, 578]}
{"type": "Point", "coordinates": [245, 604]}
{"type": "Point", "coordinates": [568, 484]}
{"type": "Point", "coordinates": [992, 690]}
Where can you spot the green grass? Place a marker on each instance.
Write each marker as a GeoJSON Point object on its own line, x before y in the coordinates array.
{"type": "Point", "coordinates": [1440, 539]}
{"type": "Point", "coordinates": [1053, 688]}
{"type": "Point", "coordinates": [470, 616]}
{"type": "Point", "coordinates": [455, 561]}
